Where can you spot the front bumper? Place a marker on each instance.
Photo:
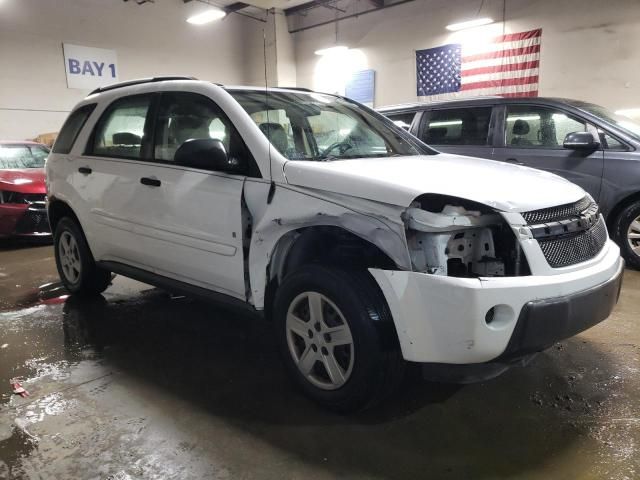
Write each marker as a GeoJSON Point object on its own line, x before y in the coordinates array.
{"type": "Point", "coordinates": [445, 319]}
{"type": "Point", "coordinates": [24, 221]}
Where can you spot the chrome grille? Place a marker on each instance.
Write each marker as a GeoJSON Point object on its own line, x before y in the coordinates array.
{"type": "Point", "coordinates": [580, 247]}
{"type": "Point", "coordinates": [554, 214]}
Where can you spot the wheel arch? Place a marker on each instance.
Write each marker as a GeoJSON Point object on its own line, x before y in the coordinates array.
{"type": "Point", "coordinates": [58, 209]}
{"type": "Point", "coordinates": [325, 244]}
{"type": "Point", "coordinates": [619, 207]}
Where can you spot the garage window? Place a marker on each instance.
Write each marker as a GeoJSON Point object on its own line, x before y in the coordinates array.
{"type": "Point", "coordinates": [459, 126]}
{"type": "Point", "coordinates": [120, 131]}
{"type": "Point", "coordinates": [71, 129]}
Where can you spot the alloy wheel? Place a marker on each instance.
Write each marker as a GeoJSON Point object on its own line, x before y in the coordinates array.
{"type": "Point", "coordinates": [320, 340]}
{"type": "Point", "coordinates": [633, 236]}
{"type": "Point", "coordinates": [69, 257]}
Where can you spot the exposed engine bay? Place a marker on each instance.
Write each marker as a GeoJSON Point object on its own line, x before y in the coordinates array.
{"type": "Point", "coordinates": [460, 239]}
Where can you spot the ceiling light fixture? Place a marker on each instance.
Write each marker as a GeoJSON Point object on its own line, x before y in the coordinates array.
{"type": "Point", "coordinates": [331, 50]}
{"type": "Point", "coordinates": [206, 16]}
{"type": "Point", "coordinates": [454, 27]}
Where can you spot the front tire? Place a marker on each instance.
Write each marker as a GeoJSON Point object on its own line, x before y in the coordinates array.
{"type": "Point", "coordinates": [337, 337]}
{"type": "Point", "coordinates": [626, 232]}
{"type": "Point", "coordinates": [76, 266]}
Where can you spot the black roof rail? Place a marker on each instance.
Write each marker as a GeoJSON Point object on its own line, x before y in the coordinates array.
{"type": "Point", "coordinates": [139, 81]}
{"type": "Point", "coordinates": [302, 89]}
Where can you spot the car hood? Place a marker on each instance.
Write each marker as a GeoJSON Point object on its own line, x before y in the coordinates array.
{"type": "Point", "coordinates": [24, 180]}
{"type": "Point", "coordinates": [399, 180]}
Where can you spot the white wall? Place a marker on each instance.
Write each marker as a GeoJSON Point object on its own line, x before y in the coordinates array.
{"type": "Point", "coordinates": [280, 53]}
{"type": "Point", "coordinates": [150, 40]}
{"type": "Point", "coordinates": [589, 47]}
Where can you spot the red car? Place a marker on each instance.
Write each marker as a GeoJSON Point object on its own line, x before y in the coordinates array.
{"type": "Point", "coordinates": [22, 190]}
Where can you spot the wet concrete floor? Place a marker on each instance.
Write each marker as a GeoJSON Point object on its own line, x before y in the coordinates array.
{"type": "Point", "coordinates": [137, 384]}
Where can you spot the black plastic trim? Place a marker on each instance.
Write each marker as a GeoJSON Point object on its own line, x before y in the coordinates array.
{"type": "Point", "coordinates": [544, 322]}
{"type": "Point", "coordinates": [139, 81]}
{"type": "Point", "coordinates": [177, 286]}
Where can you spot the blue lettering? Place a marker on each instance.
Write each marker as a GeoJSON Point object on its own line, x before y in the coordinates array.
{"type": "Point", "coordinates": [113, 70]}
{"type": "Point", "coordinates": [86, 68]}
{"type": "Point", "coordinates": [74, 66]}
{"type": "Point", "coordinates": [99, 67]}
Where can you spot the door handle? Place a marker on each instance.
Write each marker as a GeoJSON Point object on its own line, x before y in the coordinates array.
{"type": "Point", "coordinates": [515, 161]}
{"type": "Point", "coordinates": [85, 170]}
{"type": "Point", "coordinates": [150, 182]}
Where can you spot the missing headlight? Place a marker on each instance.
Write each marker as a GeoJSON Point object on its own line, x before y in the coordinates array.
{"type": "Point", "coordinates": [460, 242]}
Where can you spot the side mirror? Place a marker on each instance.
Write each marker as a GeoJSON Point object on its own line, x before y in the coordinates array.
{"type": "Point", "coordinates": [580, 141]}
{"type": "Point", "coordinates": [208, 154]}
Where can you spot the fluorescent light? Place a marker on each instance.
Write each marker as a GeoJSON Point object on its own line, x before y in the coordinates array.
{"type": "Point", "coordinates": [206, 16]}
{"type": "Point", "coordinates": [331, 50]}
{"type": "Point", "coordinates": [446, 123]}
{"type": "Point", "coordinates": [454, 27]}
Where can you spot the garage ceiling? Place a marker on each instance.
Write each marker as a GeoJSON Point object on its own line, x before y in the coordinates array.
{"type": "Point", "coordinates": [264, 4]}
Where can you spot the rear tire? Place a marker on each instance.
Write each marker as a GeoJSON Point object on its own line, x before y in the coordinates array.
{"type": "Point", "coordinates": [76, 266]}
{"type": "Point", "coordinates": [626, 233]}
{"type": "Point", "coordinates": [337, 337]}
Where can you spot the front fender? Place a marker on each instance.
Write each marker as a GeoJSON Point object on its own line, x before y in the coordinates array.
{"type": "Point", "coordinates": [293, 208]}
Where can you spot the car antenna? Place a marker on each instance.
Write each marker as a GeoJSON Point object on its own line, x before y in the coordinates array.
{"type": "Point", "coordinates": [272, 185]}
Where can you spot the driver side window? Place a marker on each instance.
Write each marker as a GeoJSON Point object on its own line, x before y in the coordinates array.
{"type": "Point", "coordinates": [539, 127]}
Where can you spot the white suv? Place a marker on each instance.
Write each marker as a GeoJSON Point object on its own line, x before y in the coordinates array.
{"type": "Point", "coordinates": [365, 247]}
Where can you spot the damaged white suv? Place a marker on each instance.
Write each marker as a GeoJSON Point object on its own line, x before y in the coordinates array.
{"type": "Point", "coordinates": [363, 246]}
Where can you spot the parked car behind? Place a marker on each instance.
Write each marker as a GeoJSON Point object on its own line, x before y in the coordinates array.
{"type": "Point", "coordinates": [23, 211]}
{"type": "Point", "coordinates": [583, 142]}
{"type": "Point", "coordinates": [363, 246]}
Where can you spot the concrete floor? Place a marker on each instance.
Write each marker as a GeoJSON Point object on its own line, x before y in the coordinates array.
{"type": "Point", "coordinates": [141, 385]}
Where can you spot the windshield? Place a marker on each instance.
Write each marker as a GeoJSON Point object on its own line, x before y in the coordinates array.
{"type": "Point", "coordinates": [312, 126]}
{"type": "Point", "coordinates": [630, 126]}
{"type": "Point", "coordinates": [22, 156]}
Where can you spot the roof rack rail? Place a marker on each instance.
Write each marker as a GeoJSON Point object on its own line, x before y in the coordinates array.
{"type": "Point", "coordinates": [139, 81]}
{"type": "Point", "coordinates": [302, 89]}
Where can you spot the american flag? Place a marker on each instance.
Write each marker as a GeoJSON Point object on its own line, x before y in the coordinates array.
{"type": "Point", "coordinates": [507, 65]}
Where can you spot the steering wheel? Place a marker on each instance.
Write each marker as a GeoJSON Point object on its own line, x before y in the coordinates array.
{"type": "Point", "coordinates": [341, 146]}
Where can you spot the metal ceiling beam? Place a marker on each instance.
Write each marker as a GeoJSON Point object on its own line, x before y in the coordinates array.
{"type": "Point", "coordinates": [301, 9]}
{"type": "Point", "coordinates": [307, 6]}
{"type": "Point", "coordinates": [234, 7]}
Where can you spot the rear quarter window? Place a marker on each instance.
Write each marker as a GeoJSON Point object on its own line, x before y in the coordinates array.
{"type": "Point", "coordinates": [71, 129]}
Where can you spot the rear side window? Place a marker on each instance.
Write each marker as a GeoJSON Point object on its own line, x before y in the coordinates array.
{"type": "Point", "coordinates": [120, 131]}
{"type": "Point", "coordinates": [403, 120]}
{"type": "Point", "coordinates": [460, 126]}
{"type": "Point", "coordinates": [186, 116]}
{"type": "Point", "coordinates": [71, 129]}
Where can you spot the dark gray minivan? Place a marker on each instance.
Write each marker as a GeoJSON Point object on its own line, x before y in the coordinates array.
{"type": "Point", "coordinates": [583, 142]}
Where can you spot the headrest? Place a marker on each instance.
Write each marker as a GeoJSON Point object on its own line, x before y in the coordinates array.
{"type": "Point", "coordinates": [126, 138]}
{"type": "Point", "coordinates": [276, 135]}
{"type": "Point", "coordinates": [520, 127]}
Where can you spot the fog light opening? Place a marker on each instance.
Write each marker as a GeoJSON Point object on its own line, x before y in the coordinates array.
{"type": "Point", "coordinates": [499, 316]}
{"type": "Point", "coordinates": [491, 314]}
